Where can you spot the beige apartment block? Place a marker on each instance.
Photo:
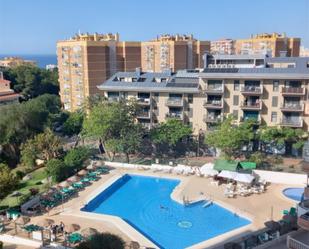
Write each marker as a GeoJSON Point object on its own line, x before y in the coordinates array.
{"type": "Point", "coordinates": [275, 44]}
{"type": "Point", "coordinates": [223, 46]}
{"type": "Point", "coordinates": [274, 95]}
{"type": "Point", "coordinates": [169, 52]}
{"type": "Point", "coordinates": [85, 61]}
{"type": "Point", "coordinates": [12, 61]}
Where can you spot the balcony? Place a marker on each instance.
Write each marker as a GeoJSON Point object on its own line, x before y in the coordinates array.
{"type": "Point", "coordinates": [113, 99]}
{"type": "Point", "coordinates": [293, 91]}
{"type": "Point", "coordinates": [174, 102]}
{"type": "Point", "coordinates": [175, 115]}
{"type": "Point", "coordinates": [251, 106]}
{"type": "Point", "coordinates": [214, 89]}
{"type": "Point", "coordinates": [144, 115]}
{"type": "Point", "coordinates": [147, 126]}
{"type": "Point", "coordinates": [213, 104]}
{"type": "Point", "coordinates": [292, 107]}
{"type": "Point", "coordinates": [303, 221]}
{"type": "Point", "coordinates": [212, 118]}
{"type": "Point", "coordinates": [292, 123]}
{"type": "Point", "coordinates": [257, 119]}
{"type": "Point", "coordinates": [144, 101]}
{"type": "Point", "coordinates": [251, 90]}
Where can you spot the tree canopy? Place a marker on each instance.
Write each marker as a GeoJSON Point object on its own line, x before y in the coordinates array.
{"type": "Point", "coordinates": [74, 123]}
{"type": "Point", "coordinates": [231, 138]}
{"type": "Point", "coordinates": [170, 134]}
{"type": "Point", "coordinates": [114, 124]}
{"type": "Point", "coordinates": [23, 121]}
{"type": "Point", "coordinates": [32, 81]}
{"type": "Point", "coordinates": [102, 240]}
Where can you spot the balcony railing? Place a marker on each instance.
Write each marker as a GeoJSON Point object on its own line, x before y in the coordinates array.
{"type": "Point", "coordinates": [212, 118]}
{"type": "Point", "coordinates": [143, 114]}
{"type": "Point", "coordinates": [146, 125]}
{"type": "Point", "coordinates": [296, 91]}
{"type": "Point", "coordinates": [174, 115]}
{"type": "Point", "coordinates": [292, 107]}
{"type": "Point", "coordinates": [254, 90]}
{"type": "Point", "coordinates": [217, 89]}
{"type": "Point", "coordinates": [295, 244]}
{"type": "Point", "coordinates": [251, 105]}
{"type": "Point", "coordinates": [292, 123]}
{"type": "Point", "coordinates": [143, 101]}
{"type": "Point", "coordinates": [113, 99]}
{"type": "Point", "coordinates": [213, 104]}
{"type": "Point", "coordinates": [174, 102]}
{"type": "Point", "coordinates": [256, 119]}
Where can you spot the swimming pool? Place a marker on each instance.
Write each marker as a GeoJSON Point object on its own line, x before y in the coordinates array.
{"type": "Point", "coordinates": [145, 203]}
{"type": "Point", "coordinates": [295, 194]}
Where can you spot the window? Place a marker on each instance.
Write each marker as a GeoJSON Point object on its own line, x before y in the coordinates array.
{"type": "Point", "coordinates": [190, 98]}
{"type": "Point", "coordinates": [236, 100]}
{"type": "Point", "coordinates": [235, 114]}
{"type": "Point", "coordinates": [274, 102]}
{"type": "Point", "coordinates": [274, 117]}
{"type": "Point", "coordinates": [236, 85]}
{"type": "Point", "coordinates": [276, 85]}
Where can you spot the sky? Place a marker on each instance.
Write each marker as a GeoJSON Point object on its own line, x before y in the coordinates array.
{"type": "Point", "coordinates": [34, 26]}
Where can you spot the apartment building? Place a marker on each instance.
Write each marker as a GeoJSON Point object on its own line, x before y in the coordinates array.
{"type": "Point", "coordinates": [7, 95]}
{"type": "Point", "coordinates": [304, 52]}
{"type": "Point", "coordinates": [8, 62]}
{"type": "Point", "coordinates": [275, 94]}
{"type": "Point", "coordinates": [223, 46]}
{"type": "Point", "coordinates": [275, 44]}
{"type": "Point", "coordinates": [86, 60]}
{"type": "Point", "coordinates": [168, 52]}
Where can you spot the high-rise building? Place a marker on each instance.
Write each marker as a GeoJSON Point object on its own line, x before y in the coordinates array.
{"type": "Point", "coordinates": [86, 60]}
{"type": "Point", "coordinates": [168, 52]}
{"type": "Point", "coordinates": [273, 93]}
{"type": "Point", "coordinates": [274, 44]}
{"type": "Point", "coordinates": [223, 46]}
{"type": "Point", "coordinates": [304, 52]}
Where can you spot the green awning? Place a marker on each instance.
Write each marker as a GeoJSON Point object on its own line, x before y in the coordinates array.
{"type": "Point", "coordinates": [248, 165]}
{"type": "Point", "coordinates": [225, 165]}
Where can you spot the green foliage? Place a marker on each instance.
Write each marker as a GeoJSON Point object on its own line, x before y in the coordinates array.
{"type": "Point", "coordinates": [43, 146]}
{"type": "Point", "coordinates": [281, 136]}
{"type": "Point", "coordinates": [8, 181]}
{"type": "Point", "coordinates": [73, 125]}
{"type": "Point", "coordinates": [32, 81]}
{"type": "Point", "coordinates": [103, 240]}
{"type": "Point", "coordinates": [171, 132]}
{"type": "Point", "coordinates": [258, 157]}
{"type": "Point", "coordinates": [75, 158]}
{"type": "Point", "coordinates": [56, 169]}
{"type": "Point", "coordinates": [171, 137]}
{"type": "Point", "coordinates": [20, 122]}
{"type": "Point", "coordinates": [114, 125]}
{"type": "Point", "coordinates": [231, 138]}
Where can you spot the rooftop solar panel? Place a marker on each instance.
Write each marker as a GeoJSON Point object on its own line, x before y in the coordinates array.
{"type": "Point", "coordinates": [221, 70]}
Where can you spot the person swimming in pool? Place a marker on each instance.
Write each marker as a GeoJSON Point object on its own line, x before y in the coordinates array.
{"type": "Point", "coordinates": [164, 208]}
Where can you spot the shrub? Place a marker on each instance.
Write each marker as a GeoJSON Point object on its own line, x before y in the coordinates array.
{"type": "Point", "coordinates": [75, 158]}
{"type": "Point", "coordinates": [102, 240]}
{"type": "Point", "coordinates": [74, 123]}
{"type": "Point", "coordinates": [56, 169]}
{"type": "Point", "coordinates": [258, 158]}
{"type": "Point", "coordinates": [8, 181]}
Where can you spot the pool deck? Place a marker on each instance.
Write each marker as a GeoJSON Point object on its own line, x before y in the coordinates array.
{"type": "Point", "coordinates": [257, 208]}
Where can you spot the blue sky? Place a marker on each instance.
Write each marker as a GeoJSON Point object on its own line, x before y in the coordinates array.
{"type": "Point", "coordinates": [34, 26]}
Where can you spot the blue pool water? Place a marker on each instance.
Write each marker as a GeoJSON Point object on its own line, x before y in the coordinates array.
{"type": "Point", "coordinates": [145, 203]}
{"type": "Point", "coordinates": [295, 194]}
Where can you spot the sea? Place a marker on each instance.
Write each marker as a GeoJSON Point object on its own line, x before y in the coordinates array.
{"type": "Point", "coordinates": [41, 59]}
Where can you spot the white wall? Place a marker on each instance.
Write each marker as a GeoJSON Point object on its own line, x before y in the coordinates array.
{"type": "Point", "coordinates": [281, 177]}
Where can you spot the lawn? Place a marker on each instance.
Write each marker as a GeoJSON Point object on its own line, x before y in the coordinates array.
{"type": "Point", "coordinates": [24, 187]}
